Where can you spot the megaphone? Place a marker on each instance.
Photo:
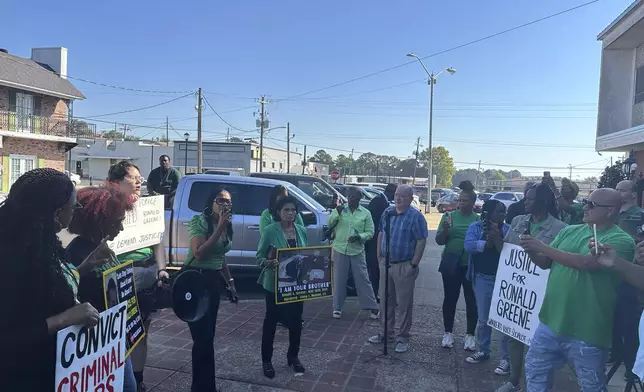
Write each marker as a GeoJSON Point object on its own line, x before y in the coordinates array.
{"type": "Point", "coordinates": [190, 296]}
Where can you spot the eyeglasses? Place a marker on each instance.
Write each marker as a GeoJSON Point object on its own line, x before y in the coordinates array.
{"type": "Point", "coordinates": [222, 201]}
{"type": "Point", "coordinates": [591, 204]}
{"type": "Point", "coordinates": [135, 179]}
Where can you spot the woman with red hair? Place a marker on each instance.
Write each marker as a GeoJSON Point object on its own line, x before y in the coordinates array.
{"type": "Point", "coordinates": [101, 218]}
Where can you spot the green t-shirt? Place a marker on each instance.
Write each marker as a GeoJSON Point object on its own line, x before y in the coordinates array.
{"type": "Point", "coordinates": [581, 303]}
{"type": "Point", "coordinates": [198, 227]}
{"type": "Point", "coordinates": [135, 255]}
{"type": "Point", "coordinates": [456, 234]}
{"type": "Point", "coordinates": [534, 228]}
{"type": "Point", "coordinates": [575, 217]}
{"type": "Point", "coordinates": [630, 219]}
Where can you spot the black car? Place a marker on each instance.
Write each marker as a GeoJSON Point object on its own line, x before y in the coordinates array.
{"type": "Point", "coordinates": [316, 188]}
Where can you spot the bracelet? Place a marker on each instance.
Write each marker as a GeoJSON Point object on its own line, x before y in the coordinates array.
{"type": "Point", "coordinates": [231, 280]}
{"type": "Point", "coordinates": [161, 270]}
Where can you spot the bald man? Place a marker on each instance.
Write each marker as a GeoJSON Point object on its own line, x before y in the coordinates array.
{"type": "Point", "coordinates": [630, 214]}
{"type": "Point", "coordinates": [408, 233]}
{"type": "Point", "coordinates": [575, 318]}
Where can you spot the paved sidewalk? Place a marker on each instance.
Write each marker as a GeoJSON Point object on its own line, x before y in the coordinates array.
{"type": "Point", "coordinates": [335, 352]}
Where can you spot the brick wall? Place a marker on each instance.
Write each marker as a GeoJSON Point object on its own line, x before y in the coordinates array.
{"type": "Point", "coordinates": [46, 152]}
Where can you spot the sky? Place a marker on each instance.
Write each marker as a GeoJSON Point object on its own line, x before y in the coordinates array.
{"type": "Point", "coordinates": [523, 100]}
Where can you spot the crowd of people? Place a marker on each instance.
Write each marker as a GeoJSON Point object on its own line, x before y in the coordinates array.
{"type": "Point", "coordinates": [590, 308]}
{"type": "Point", "coordinates": [590, 312]}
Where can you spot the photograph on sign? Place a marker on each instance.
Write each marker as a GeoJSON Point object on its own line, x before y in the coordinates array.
{"type": "Point", "coordinates": [92, 359]}
{"type": "Point", "coordinates": [518, 294]}
{"type": "Point", "coordinates": [118, 286]}
{"type": "Point", "coordinates": [143, 226]}
{"type": "Point", "coordinates": [303, 274]}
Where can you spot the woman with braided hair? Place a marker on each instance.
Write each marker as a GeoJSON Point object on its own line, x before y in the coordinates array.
{"type": "Point", "coordinates": [39, 296]}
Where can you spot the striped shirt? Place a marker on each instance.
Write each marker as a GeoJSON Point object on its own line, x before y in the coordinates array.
{"type": "Point", "coordinates": [407, 228]}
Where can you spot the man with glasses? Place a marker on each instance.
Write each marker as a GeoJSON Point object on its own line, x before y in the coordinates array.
{"type": "Point", "coordinates": [576, 326]}
{"type": "Point", "coordinates": [164, 180]}
{"type": "Point", "coordinates": [353, 226]}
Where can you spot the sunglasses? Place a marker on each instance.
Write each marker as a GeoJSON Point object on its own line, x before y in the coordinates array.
{"type": "Point", "coordinates": [591, 204]}
{"type": "Point", "coordinates": [222, 201]}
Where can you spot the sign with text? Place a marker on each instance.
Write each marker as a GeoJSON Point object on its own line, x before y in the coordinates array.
{"type": "Point", "coordinates": [303, 274]}
{"type": "Point", "coordinates": [518, 294]}
{"type": "Point", "coordinates": [118, 287]}
{"type": "Point", "coordinates": [143, 226]}
{"type": "Point", "coordinates": [92, 359]}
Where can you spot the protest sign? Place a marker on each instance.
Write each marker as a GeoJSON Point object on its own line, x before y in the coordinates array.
{"type": "Point", "coordinates": [92, 359]}
{"type": "Point", "coordinates": [118, 286]}
{"type": "Point", "coordinates": [518, 294]}
{"type": "Point", "coordinates": [303, 274]}
{"type": "Point", "coordinates": [143, 226]}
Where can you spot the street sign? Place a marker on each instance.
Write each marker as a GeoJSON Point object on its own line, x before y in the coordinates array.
{"type": "Point", "coordinates": [335, 175]}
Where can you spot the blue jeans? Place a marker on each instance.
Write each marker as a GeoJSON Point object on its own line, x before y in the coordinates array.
{"type": "Point", "coordinates": [483, 291]}
{"type": "Point", "coordinates": [129, 382]}
{"type": "Point", "coordinates": [550, 351]}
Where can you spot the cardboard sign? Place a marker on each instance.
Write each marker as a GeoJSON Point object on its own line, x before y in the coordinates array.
{"type": "Point", "coordinates": [518, 294]}
{"type": "Point", "coordinates": [92, 359]}
{"type": "Point", "coordinates": [143, 226]}
{"type": "Point", "coordinates": [118, 287]}
{"type": "Point", "coordinates": [303, 274]}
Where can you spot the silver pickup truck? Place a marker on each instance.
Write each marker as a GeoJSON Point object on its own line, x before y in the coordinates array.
{"type": "Point", "coordinates": [250, 197]}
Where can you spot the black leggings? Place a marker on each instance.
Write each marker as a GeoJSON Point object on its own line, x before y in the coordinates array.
{"type": "Point", "coordinates": [288, 314]}
{"type": "Point", "coordinates": [203, 337]}
{"type": "Point", "coordinates": [626, 326]}
{"type": "Point", "coordinates": [452, 289]}
{"type": "Point", "coordinates": [372, 264]}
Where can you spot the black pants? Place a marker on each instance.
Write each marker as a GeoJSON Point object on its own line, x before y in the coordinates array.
{"type": "Point", "coordinates": [626, 326]}
{"type": "Point", "coordinates": [372, 264]}
{"type": "Point", "coordinates": [452, 289]}
{"type": "Point", "coordinates": [203, 338]}
{"type": "Point", "coordinates": [288, 314]}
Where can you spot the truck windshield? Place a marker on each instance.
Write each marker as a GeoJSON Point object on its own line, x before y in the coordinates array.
{"type": "Point", "coordinates": [309, 199]}
{"type": "Point", "coordinates": [319, 191]}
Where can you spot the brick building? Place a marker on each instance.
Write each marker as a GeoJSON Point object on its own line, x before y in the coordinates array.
{"type": "Point", "coordinates": [36, 104]}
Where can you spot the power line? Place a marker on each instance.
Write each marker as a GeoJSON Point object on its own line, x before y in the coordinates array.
{"type": "Point", "coordinates": [444, 51]}
{"type": "Point", "coordinates": [222, 119]}
{"type": "Point", "coordinates": [143, 108]}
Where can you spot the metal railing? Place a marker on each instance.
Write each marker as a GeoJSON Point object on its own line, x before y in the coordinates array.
{"type": "Point", "coordinates": [12, 121]}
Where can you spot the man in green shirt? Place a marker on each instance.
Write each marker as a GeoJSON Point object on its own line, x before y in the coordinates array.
{"type": "Point", "coordinates": [576, 326]}
{"type": "Point", "coordinates": [353, 226]}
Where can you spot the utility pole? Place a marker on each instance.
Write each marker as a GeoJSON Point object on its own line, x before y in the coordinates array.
{"type": "Point", "coordinates": [227, 135]}
{"type": "Point", "coordinates": [416, 160]}
{"type": "Point", "coordinates": [477, 175]}
{"type": "Point", "coordinates": [570, 171]}
{"type": "Point", "coordinates": [351, 156]}
{"type": "Point", "coordinates": [167, 134]}
{"type": "Point", "coordinates": [199, 134]}
{"type": "Point", "coordinates": [288, 147]}
{"type": "Point", "coordinates": [304, 161]}
{"type": "Point", "coordinates": [262, 115]}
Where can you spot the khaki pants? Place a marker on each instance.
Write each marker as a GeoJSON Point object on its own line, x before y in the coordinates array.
{"type": "Point", "coordinates": [402, 280]}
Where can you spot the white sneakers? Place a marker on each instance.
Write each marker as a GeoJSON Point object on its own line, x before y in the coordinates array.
{"type": "Point", "coordinates": [448, 340]}
{"type": "Point", "coordinates": [468, 345]}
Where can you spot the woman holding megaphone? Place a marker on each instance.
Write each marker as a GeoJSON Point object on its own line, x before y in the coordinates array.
{"type": "Point", "coordinates": [40, 292]}
{"type": "Point", "coordinates": [285, 233]}
{"type": "Point", "coordinates": [211, 236]}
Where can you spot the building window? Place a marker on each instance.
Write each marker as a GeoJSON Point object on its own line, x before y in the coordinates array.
{"type": "Point", "coordinates": [273, 165]}
{"type": "Point", "coordinates": [639, 85]}
{"type": "Point", "coordinates": [19, 165]}
{"type": "Point", "coordinates": [112, 162]}
{"type": "Point", "coordinates": [281, 166]}
{"type": "Point", "coordinates": [263, 163]}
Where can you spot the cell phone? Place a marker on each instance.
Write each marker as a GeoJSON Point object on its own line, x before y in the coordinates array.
{"type": "Point", "coordinates": [546, 174]}
{"type": "Point", "coordinates": [484, 219]}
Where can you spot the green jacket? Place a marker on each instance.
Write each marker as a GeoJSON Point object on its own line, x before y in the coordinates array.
{"type": "Point", "coordinates": [266, 219]}
{"type": "Point", "coordinates": [274, 236]}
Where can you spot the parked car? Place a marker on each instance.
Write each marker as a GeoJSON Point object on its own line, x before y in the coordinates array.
{"type": "Point", "coordinates": [485, 196]}
{"type": "Point", "coordinates": [447, 203]}
{"type": "Point", "coordinates": [438, 193]}
{"type": "Point", "coordinates": [366, 196]}
{"type": "Point", "coordinates": [222, 172]}
{"type": "Point", "coordinates": [508, 198]}
{"type": "Point", "coordinates": [250, 197]}
{"type": "Point", "coordinates": [316, 188]}
{"type": "Point", "coordinates": [478, 204]}
{"type": "Point", "coordinates": [76, 179]}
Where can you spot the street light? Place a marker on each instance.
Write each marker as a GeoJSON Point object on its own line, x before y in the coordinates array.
{"type": "Point", "coordinates": [185, 161]}
{"type": "Point", "coordinates": [629, 166]}
{"type": "Point", "coordinates": [430, 81]}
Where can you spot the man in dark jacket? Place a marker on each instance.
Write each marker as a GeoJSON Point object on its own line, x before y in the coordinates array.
{"type": "Point", "coordinates": [164, 180]}
{"type": "Point", "coordinates": [377, 206]}
{"type": "Point", "coordinates": [518, 208]}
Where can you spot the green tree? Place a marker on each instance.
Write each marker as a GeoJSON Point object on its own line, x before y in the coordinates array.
{"type": "Point", "coordinates": [611, 176]}
{"type": "Point", "coordinates": [343, 164]}
{"type": "Point", "coordinates": [323, 157]}
{"type": "Point", "coordinates": [368, 163]}
{"type": "Point", "coordinates": [468, 175]}
{"type": "Point", "coordinates": [235, 139]}
{"type": "Point", "coordinates": [443, 164]}
{"type": "Point", "coordinates": [116, 135]}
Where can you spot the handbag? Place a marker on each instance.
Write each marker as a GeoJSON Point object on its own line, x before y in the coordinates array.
{"type": "Point", "coordinates": [450, 262]}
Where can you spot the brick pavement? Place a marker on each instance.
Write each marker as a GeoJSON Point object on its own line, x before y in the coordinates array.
{"type": "Point", "coordinates": [335, 352]}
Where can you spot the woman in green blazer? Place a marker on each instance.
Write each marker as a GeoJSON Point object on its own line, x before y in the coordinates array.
{"type": "Point", "coordinates": [268, 215]}
{"type": "Point", "coordinates": [280, 235]}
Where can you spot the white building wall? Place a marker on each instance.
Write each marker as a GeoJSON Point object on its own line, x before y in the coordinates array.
{"type": "Point", "coordinates": [616, 88]}
{"type": "Point", "coordinates": [638, 110]}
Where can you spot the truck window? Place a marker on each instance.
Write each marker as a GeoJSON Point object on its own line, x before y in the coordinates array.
{"type": "Point", "coordinates": [319, 191]}
{"type": "Point", "coordinates": [256, 199]}
{"type": "Point", "coordinates": [200, 191]}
